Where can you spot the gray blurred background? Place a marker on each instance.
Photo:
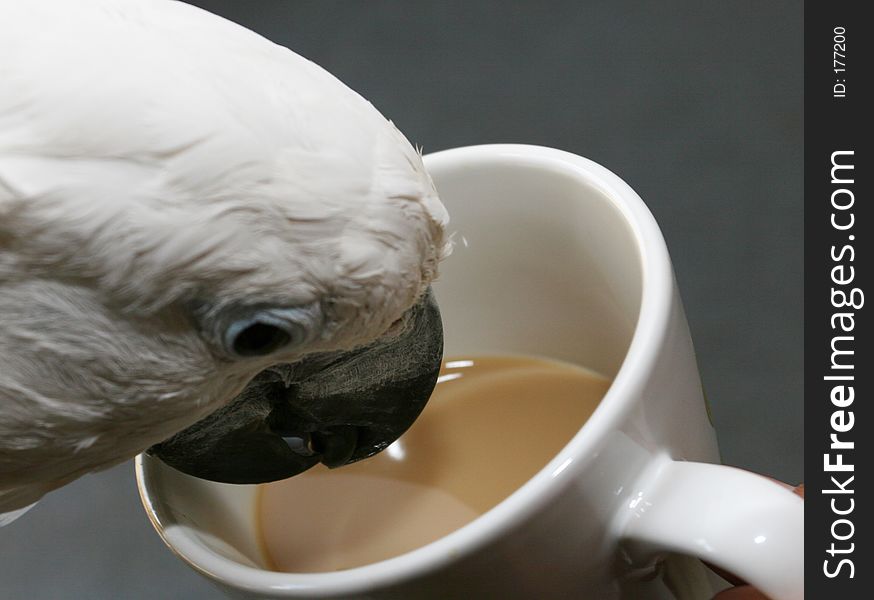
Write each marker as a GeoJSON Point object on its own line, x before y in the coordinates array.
{"type": "Point", "coordinates": [698, 106]}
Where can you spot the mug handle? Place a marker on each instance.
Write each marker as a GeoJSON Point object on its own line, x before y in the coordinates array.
{"type": "Point", "coordinates": [742, 522]}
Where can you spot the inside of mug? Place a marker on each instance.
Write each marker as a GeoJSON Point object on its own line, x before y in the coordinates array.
{"type": "Point", "coordinates": [545, 263]}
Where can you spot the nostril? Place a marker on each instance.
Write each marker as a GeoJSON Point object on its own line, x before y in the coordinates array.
{"type": "Point", "coordinates": [335, 445]}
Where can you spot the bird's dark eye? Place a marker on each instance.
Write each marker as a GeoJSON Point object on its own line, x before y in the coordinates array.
{"type": "Point", "coordinates": [259, 331]}
{"type": "Point", "coordinates": [259, 339]}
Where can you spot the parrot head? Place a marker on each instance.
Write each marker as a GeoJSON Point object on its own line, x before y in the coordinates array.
{"type": "Point", "coordinates": [210, 249]}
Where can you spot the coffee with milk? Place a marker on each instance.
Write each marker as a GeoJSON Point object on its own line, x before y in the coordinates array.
{"type": "Point", "coordinates": [492, 423]}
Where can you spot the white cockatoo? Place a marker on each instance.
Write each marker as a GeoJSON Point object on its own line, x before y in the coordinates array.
{"type": "Point", "coordinates": [210, 248]}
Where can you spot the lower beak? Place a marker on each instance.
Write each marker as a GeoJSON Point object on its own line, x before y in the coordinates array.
{"type": "Point", "coordinates": [333, 408]}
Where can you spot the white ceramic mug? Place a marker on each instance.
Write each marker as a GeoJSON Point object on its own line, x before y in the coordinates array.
{"type": "Point", "coordinates": [555, 256]}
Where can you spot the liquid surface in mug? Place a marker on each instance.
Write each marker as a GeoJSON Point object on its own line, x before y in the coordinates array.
{"type": "Point", "coordinates": [491, 424]}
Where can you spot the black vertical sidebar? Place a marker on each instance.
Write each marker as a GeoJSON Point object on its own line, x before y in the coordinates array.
{"type": "Point", "coordinates": [839, 437]}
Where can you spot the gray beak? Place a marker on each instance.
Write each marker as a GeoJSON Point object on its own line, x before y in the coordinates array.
{"type": "Point", "coordinates": [333, 408]}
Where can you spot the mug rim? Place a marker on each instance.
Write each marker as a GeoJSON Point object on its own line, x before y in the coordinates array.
{"type": "Point", "coordinates": [649, 331]}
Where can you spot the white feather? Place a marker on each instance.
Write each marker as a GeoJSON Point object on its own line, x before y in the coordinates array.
{"type": "Point", "coordinates": [153, 154]}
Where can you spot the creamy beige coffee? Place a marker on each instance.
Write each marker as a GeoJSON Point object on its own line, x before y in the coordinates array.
{"type": "Point", "coordinates": [492, 423]}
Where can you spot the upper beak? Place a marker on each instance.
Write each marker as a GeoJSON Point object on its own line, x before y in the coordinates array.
{"type": "Point", "coordinates": [335, 408]}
